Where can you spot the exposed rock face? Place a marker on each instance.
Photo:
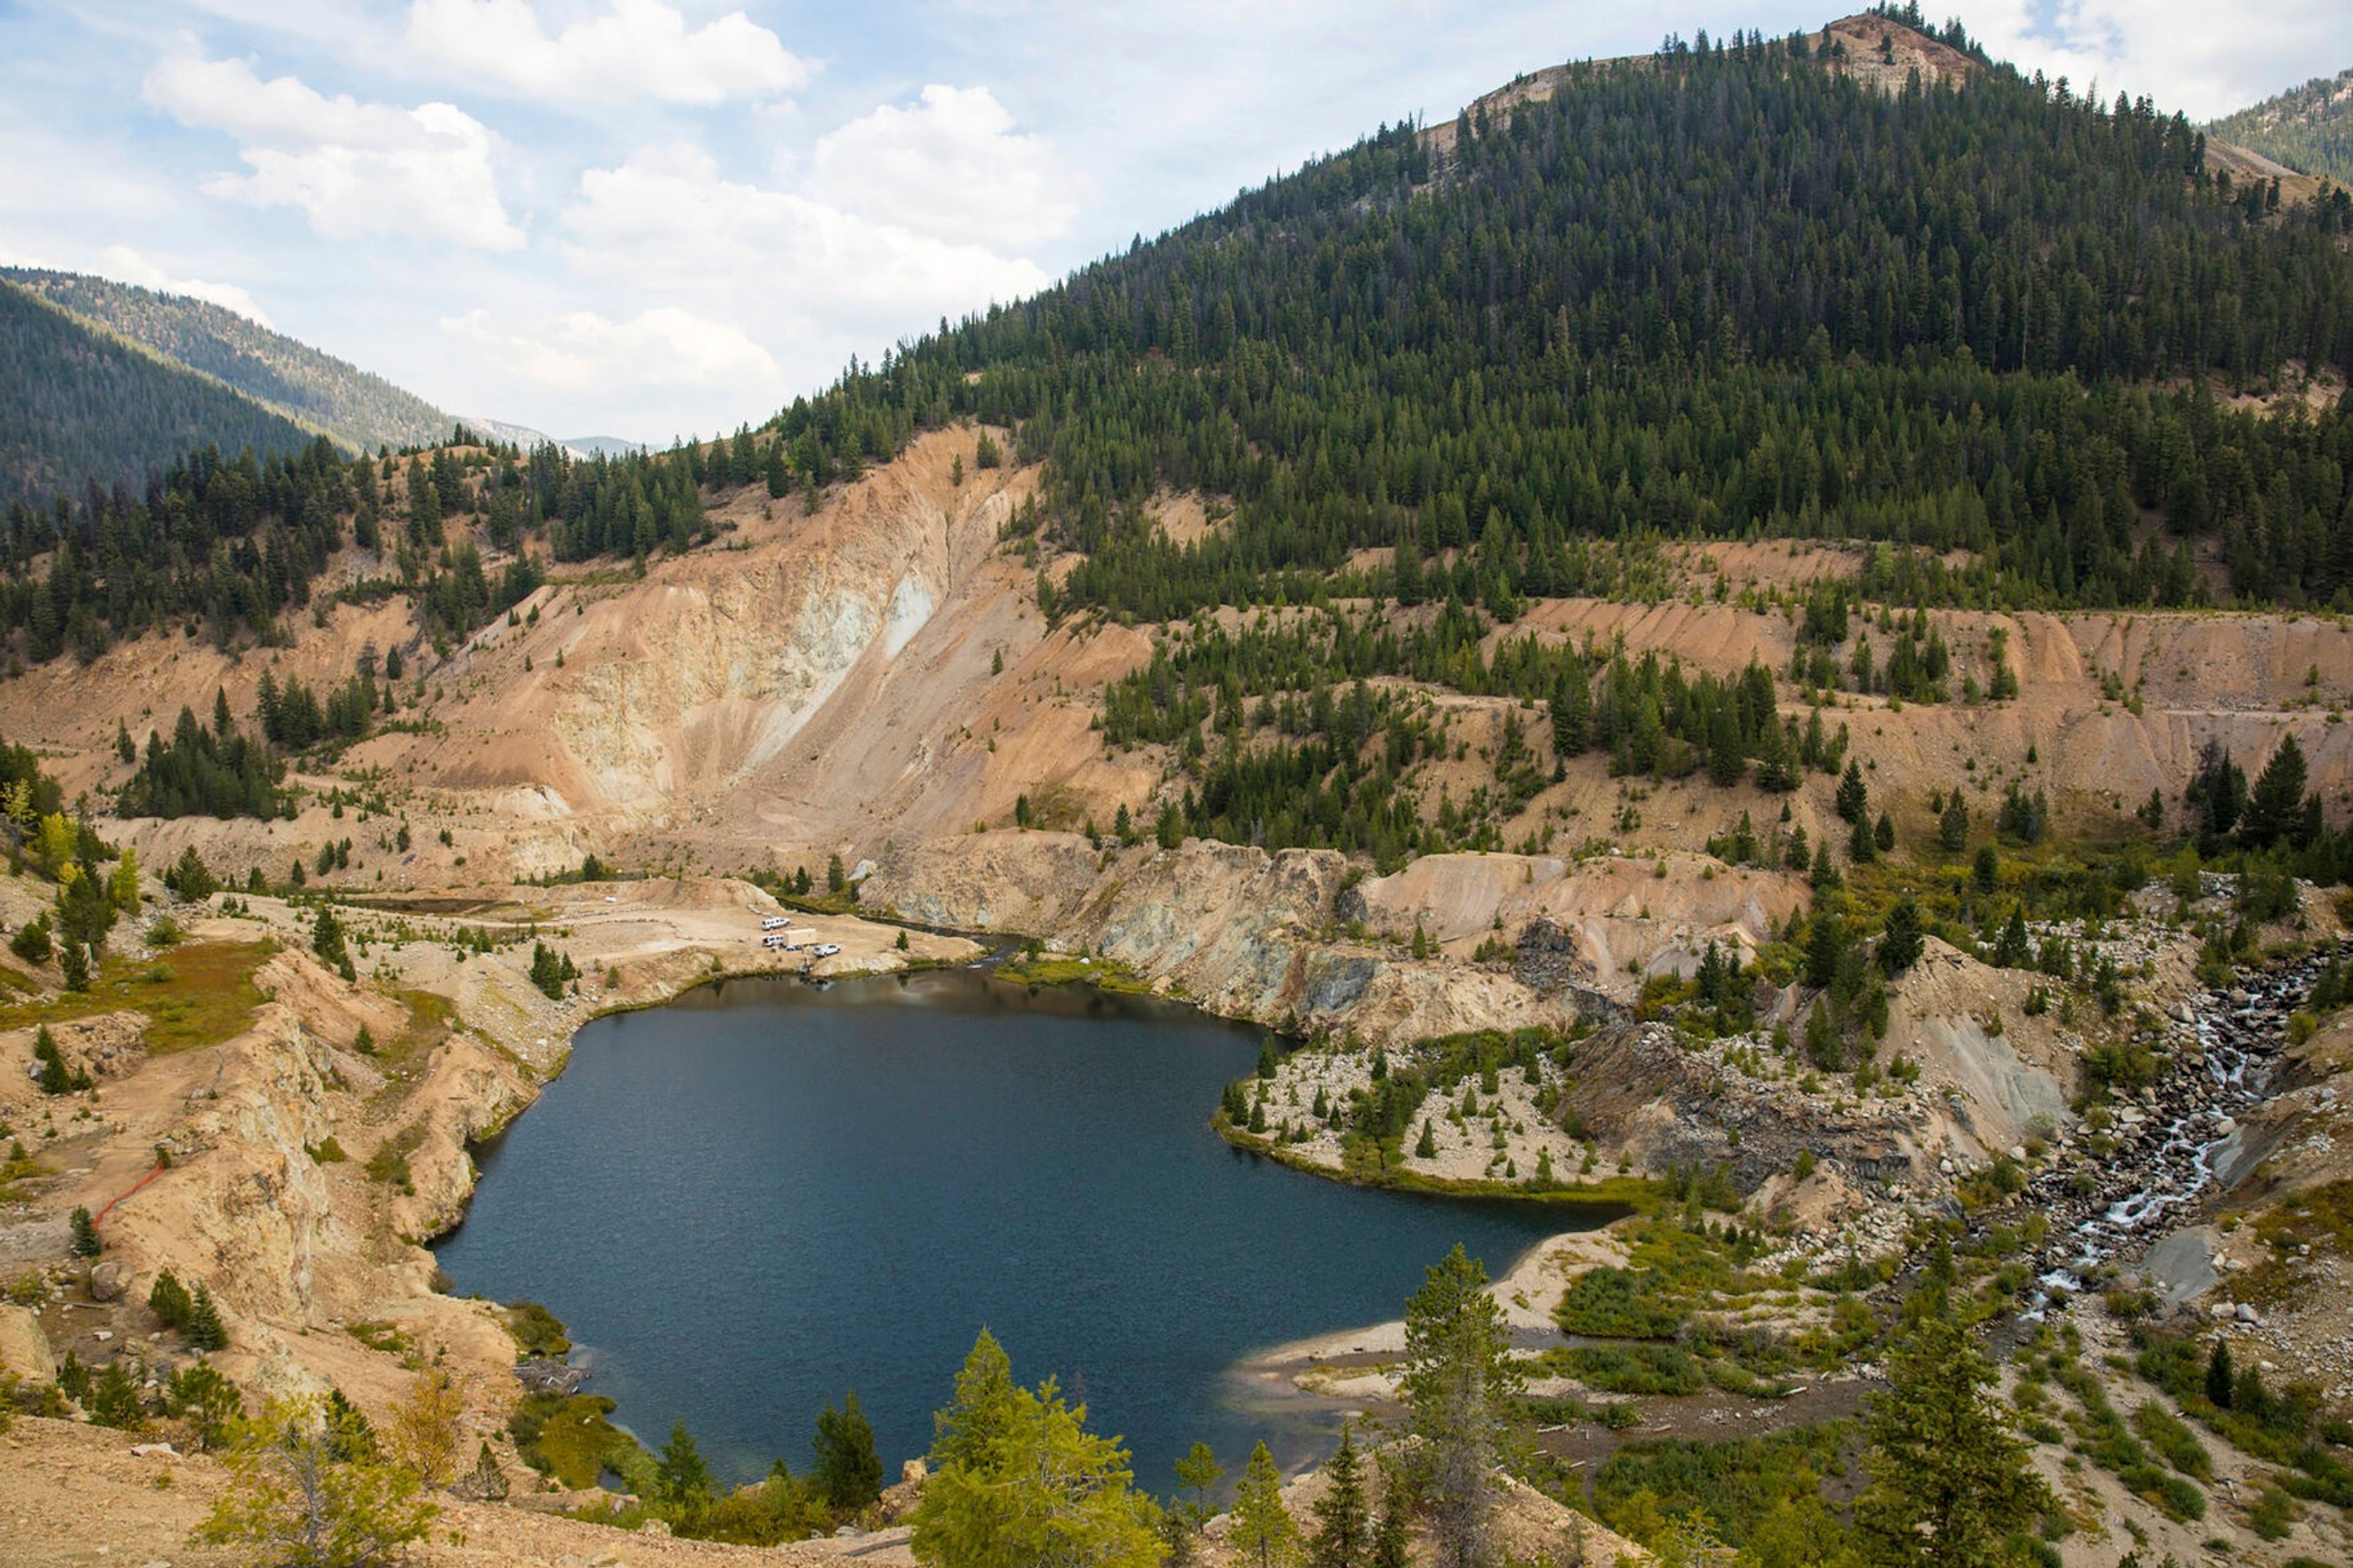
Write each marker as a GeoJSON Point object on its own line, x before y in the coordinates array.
{"type": "Point", "coordinates": [1243, 933]}
{"type": "Point", "coordinates": [23, 1347]}
{"type": "Point", "coordinates": [1638, 1085]}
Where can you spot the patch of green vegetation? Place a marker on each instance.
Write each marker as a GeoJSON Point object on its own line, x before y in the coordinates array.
{"type": "Point", "coordinates": [1740, 1484]}
{"type": "Point", "coordinates": [567, 1436]}
{"type": "Point", "coordinates": [2102, 1436]}
{"type": "Point", "coordinates": [1628, 1369]}
{"type": "Point", "coordinates": [431, 1019]}
{"type": "Point", "coordinates": [2170, 1436]}
{"type": "Point", "coordinates": [390, 1339]}
{"type": "Point", "coordinates": [537, 1331]}
{"type": "Point", "coordinates": [389, 1163]}
{"type": "Point", "coordinates": [1619, 1304]}
{"type": "Point", "coordinates": [17, 1165]}
{"type": "Point", "coordinates": [1063, 968]}
{"type": "Point", "coordinates": [2281, 1427]}
{"type": "Point", "coordinates": [204, 995]}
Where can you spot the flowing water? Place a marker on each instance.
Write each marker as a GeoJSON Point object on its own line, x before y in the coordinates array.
{"type": "Point", "coordinates": [762, 1196]}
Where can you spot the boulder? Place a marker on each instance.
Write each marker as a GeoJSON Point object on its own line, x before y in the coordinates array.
{"type": "Point", "coordinates": [23, 1347]}
{"type": "Point", "coordinates": [109, 1280]}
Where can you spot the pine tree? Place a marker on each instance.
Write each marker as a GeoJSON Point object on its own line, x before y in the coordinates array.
{"type": "Point", "coordinates": [962, 1433]}
{"type": "Point", "coordinates": [169, 1301]}
{"type": "Point", "coordinates": [1571, 708]}
{"type": "Point", "coordinates": [1198, 1471]}
{"type": "Point", "coordinates": [1901, 942]}
{"type": "Point", "coordinates": [1460, 1388]}
{"type": "Point", "coordinates": [1264, 1534]}
{"type": "Point", "coordinates": [204, 1331]}
{"type": "Point", "coordinates": [54, 1079]}
{"type": "Point", "coordinates": [86, 1241]}
{"type": "Point", "coordinates": [1953, 826]}
{"type": "Point", "coordinates": [1883, 837]}
{"type": "Point", "coordinates": [1390, 1539]}
{"type": "Point", "coordinates": [1342, 1537]}
{"type": "Point", "coordinates": [2275, 809]}
{"type": "Point", "coordinates": [1853, 796]}
{"type": "Point", "coordinates": [1861, 847]}
{"type": "Point", "coordinates": [1725, 759]}
{"type": "Point", "coordinates": [849, 1472]}
{"type": "Point", "coordinates": [1426, 1147]}
{"type": "Point", "coordinates": [114, 1400]}
{"type": "Point", "coordinates": [681, 1475]}
{"type": "Point", "coordinates": [2219, 1375]}
{"type": "Point", "coordinates": [1949, 1479]}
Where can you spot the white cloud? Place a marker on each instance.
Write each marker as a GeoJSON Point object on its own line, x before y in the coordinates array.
{"type": "Point", "coordinates": [660, 347]}
{"type": "Point", "coordinates": [668, 218]}
{"type": "Point", "coordinates": [2203, 59]}
{"type": "Point", "coordinates": [354, 169]}
{"type": "Point", "coordinates": [953, 167]}
{"type": "Point", "coordinates": [125, 265]}
{"type": "Point", "coordinates": [639, 49]}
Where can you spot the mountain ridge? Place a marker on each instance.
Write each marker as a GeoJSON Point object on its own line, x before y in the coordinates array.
{"type": "Point", "coordinates": [2308, 128]}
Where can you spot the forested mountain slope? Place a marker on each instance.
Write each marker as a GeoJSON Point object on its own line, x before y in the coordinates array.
{"type": "Point", "coordinates": [359, 409]}
{"type": "Point", "coordinates": [1722, 291]}
{"type": "Point", "coordinates": [2308, 128]}
{"type": "Point", "coordinates": [79, 404]}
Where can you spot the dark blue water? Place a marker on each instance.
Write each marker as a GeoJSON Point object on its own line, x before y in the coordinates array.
{"type": "Point", "coordinates": [762, 1196]}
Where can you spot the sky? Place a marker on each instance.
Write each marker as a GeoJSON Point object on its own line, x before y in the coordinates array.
{"type": "Point", "coordinates": [650, 218]}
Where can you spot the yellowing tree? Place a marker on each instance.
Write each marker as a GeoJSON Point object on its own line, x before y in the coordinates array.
{"type": "Point", "coordinates": [422, 1431]}
{"type": "Point", "coordinates": [1023, 1484]}
{"type": "Point", "coordinates": [122, 887]}
{"type": "Point", "coordinates": [297, 1498]}
{"type": "Point", "coordinates": [56, 843]}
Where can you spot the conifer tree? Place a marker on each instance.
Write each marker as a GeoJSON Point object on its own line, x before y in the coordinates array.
{"type": "Point", "coordinates": [2219, 1375]}
{"type": "Point", "coordinates": [169, 1301]}
{"type": "Point", "coordinates": [1390, 1539]}
{"type": "Point", "coordinates": [1460, 1388]}
{"type": "Point", "coordinates": [1853, 795]}
{"type": "Point", "coordinates": [1198, 1471]}
{"type": "Point", "coordinates": [1264, 1536]}
{"type": "Point", "coordinates": [2275, 811]}
{"type": "Point", "coordinates": [204, 1331]}
{"type": "Point", "coordinates": [849, 1472]}
{"type": "Point", "coordinates": [681, 1475]}
{"type": "Point", "coordinates": [1950, 1480]}
{"type": "Point", "coordinates": [1901, 942]}
{"type": "Point", "coordinates": [86, 1242]}
{"type": "Point", "coordinates": [1342, 1537]}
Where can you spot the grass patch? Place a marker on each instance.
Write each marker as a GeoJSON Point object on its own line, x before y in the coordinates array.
{"type": "Point", "coordinates": [1738, 1483]}
{"type": "Point", "coordinates": [390, 1339]}
{"type": "Point", "coordinates": [566, 1437]}
{"type": "Point", "coordinates": [204, 996]}
{"type": "Point", "coordinates": [537, 1331]}
{"type": "Point", "coordinates": [2172, 1437]}
{"type": "Point", "coordinates": [1618, 1304]}
{"type": "Point", "coordinates": [1628, 1369]}
{"type": "Point", "coordinates": [389, 1163]}
{"type": "Point", "coordinates": [1102, 974]}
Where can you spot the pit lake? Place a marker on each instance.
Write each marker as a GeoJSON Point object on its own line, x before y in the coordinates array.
{"type": "Point", "coordinates": [762, 1196]}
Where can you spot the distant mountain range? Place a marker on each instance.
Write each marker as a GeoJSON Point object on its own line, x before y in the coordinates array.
{"type": "Point", "coordinates": [2308, 128]}
{"type": "Point", "coordinates": [108, 381]}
